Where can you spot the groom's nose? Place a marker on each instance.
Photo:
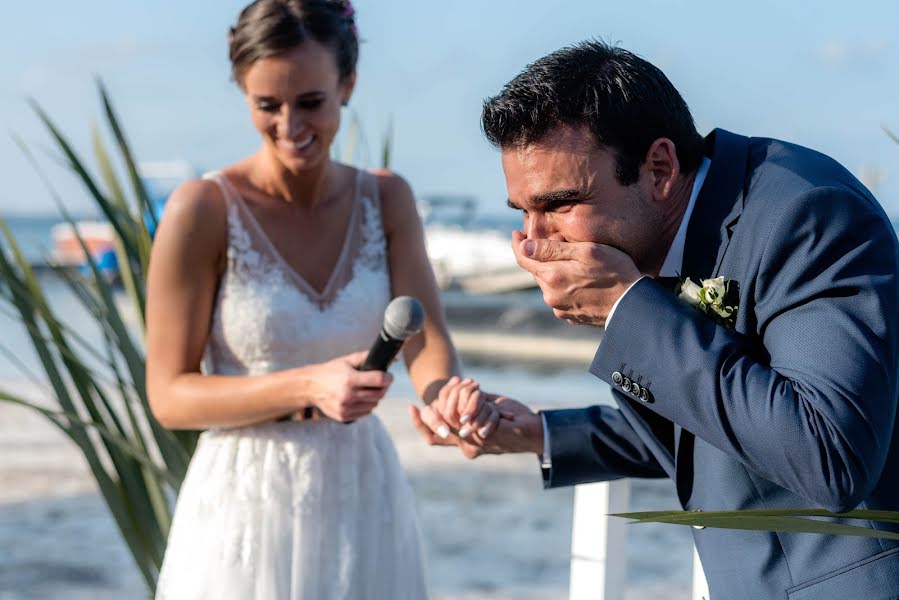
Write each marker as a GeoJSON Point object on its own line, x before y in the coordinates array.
{"type": "Point", "coordinates": [537, 227]}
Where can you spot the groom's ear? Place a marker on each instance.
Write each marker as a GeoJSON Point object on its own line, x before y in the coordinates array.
{"type": "Point", "coordinates": [662, 166]}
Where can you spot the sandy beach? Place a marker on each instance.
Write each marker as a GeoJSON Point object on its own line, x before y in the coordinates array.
{"type": "Point", "coordinates": [491, 531]}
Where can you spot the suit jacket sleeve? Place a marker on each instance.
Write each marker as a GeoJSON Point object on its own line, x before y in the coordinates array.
{"type": "Point", "coordinates": [807, 396]}
{"type": "Point", "coordinates": [595, 444]}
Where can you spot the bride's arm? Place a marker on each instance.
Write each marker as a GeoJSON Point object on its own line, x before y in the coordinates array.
{"type": "Point", "coordinates": [430, 356]}
{"type": "Point", "coordinates": [187, 258]}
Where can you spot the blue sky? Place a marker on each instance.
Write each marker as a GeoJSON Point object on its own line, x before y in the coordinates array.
{"type": "Point", "coordinates": [824, 74]}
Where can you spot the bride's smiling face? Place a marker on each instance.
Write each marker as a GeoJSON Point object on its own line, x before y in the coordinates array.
{"type": "Point", "coordinates": [295, 101]}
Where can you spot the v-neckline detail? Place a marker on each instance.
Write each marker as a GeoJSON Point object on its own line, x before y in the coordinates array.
{"type": "Point", "coordinates": [326, 292]}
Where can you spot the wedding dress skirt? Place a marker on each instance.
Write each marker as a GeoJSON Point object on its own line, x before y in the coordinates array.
{"type": "Point", "coordinates": [311, 510]}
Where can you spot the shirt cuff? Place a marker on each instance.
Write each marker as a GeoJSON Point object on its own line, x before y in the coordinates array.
{"type": "Point", "coordinates": [546, 460]}
{"type": "Point", "coordinates": [614, 306]}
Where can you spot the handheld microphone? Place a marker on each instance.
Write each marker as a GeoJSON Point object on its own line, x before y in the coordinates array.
{"type": "Point", "coordinates": [403, 318]}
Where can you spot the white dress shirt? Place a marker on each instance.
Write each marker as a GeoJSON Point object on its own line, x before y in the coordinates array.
{"type": "Point", "coordinates": [670, 268]}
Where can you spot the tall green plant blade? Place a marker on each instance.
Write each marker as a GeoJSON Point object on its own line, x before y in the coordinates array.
{"type": "Point", "coordinates": [69, 332]}
{"type": "Point", "coordinates": [173, 452]}
{"type": "Point", "coordinates": [141, 235]}
{"type": "Point", "coordinates": [352, 139]}
{"type": "Point", "coordinates": [892, 135]}
{"type": "Point", "coordinates": [24, 369]}
{"type": "Point", "coordinates": [174, 448]}
{"type": "Point", "coordinates": [24, 304]}
{"type": "Point", "coordinates": [152, 481]}
{"type": "Point", "coordinates": [110, 488]}
{"type": "Point", "coordinates": [125, 393]}
{"type": "Point", "coordinates": [137, 503]}
{"type": "Point", "coordinates": [107, 172]}
{"type": "Point", "coordinates": [76, 428]}
{"type": "Point", "coordinates": [886, 516]}
{"type": "Point", "coordinates": [133, 285]}
{"type": "Point", "coordinates": [147, 501]}
{"type": "Point", "coordinates": [78, 167]}
{"type": "Point", "coordinates": [91, 304]}
{"type": "Point", "coordinates": [67, 422]}
{"type": "Point", "coordinates": [140, 192]}
{"type": "Point", "coordinates": [103, 402]}
{"type": "Point", "coordinates": [760, 521]}
{"type": "Point", "coordinates": [387, 145]}
{"type": "Point", "coordinates": [79, 375]}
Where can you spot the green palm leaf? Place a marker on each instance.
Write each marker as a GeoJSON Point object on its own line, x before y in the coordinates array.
{"type": "Point", "coordinates": [792, 520]}
{"type": "Point", "coordinates": [100, 391]}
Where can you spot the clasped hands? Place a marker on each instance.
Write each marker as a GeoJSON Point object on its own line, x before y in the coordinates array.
{"type": "Point", "coordinates": [478, 422]}
{"type": "Point", "coordinates": [581, 282]}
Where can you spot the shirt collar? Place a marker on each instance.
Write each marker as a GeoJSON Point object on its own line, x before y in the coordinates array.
{"type": "Point", "coordinates": [675, 258]}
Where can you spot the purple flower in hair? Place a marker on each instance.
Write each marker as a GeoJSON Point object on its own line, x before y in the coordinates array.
{"type": "Point", "coordinates": [349, 12]}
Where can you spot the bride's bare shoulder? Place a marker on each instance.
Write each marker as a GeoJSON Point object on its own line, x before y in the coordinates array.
{"type": "Point", "coordinates": [397, 200]}
{"type": "Point", "coordinates": [194, 223]}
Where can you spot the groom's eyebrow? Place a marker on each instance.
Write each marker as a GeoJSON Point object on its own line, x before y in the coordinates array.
{"type": "Point", "coordinates": [553, 197]}
{"type": "Point", "coordinates": [550, 199]}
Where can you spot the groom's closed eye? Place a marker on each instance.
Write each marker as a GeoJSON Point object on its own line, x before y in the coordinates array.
{"type": "Point", "coordinates": [554, 201]}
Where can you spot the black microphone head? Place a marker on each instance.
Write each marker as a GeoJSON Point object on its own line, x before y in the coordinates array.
{"type": "Point", "coordinates": [404, 316]}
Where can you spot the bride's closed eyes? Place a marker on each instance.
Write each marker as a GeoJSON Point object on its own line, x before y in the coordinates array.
{"type": "Point", "coordinates": [270, 105]}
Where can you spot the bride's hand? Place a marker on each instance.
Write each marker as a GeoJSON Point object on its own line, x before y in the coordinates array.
{"type": "Point", "coordinates": [469, 410]}
{"type": "Point", "coordinates": [343, 393]}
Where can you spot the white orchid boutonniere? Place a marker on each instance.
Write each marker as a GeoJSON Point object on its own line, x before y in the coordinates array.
{"type": "Point", "coordinates": [718, 298]}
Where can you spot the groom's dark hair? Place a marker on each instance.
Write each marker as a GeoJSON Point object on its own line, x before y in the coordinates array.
{"type": "Point", "coordinates": [625, 101]}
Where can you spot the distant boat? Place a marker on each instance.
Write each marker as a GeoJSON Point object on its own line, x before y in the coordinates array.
{"type": "Point", "coordinates": [98, 237]}
{"type": "Point", "coordinates": [466, 254]}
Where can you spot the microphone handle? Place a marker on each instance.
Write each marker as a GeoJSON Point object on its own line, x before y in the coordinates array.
{"type": "Point", "coordinates": [382, 353]}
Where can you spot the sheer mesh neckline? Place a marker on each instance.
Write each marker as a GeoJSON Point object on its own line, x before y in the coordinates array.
{"type": "Point", "coordinates": [342, 270]}
{"type": "Point", "coordinates": [266, 319]}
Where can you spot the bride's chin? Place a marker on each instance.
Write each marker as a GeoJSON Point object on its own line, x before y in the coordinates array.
{"type": "Point", "coordinates": [296, 166]}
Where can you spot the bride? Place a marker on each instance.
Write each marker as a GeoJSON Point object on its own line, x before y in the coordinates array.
{"type": "Point", "coordinates": [268, 281]}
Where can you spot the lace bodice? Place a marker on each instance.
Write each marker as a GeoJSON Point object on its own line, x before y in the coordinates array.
{"type": "Point", "coordinates": [267, 318]}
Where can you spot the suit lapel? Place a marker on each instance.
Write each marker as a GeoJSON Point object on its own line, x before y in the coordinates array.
{"type": "Point", "coordinates": [717, 210]}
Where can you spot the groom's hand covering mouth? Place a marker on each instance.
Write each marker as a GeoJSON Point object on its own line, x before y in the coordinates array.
{"type": "Point", "coordinates": [580, 281]}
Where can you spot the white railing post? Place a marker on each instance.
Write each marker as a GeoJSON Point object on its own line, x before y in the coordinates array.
{"type": "Point", "coordinates": [599, 542]}
{"type": "Point", "coordinates": [700, 585]}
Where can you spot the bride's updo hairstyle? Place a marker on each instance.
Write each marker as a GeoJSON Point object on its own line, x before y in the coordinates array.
{"type": "Point", "coordinates": [268, 28]}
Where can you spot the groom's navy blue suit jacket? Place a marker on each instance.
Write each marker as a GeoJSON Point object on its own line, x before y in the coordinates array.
{"type": "Point", "coordinates": [796, 408]}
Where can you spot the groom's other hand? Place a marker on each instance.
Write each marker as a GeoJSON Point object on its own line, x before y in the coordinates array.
{"type": "Point", "coordinates": [580, 281]}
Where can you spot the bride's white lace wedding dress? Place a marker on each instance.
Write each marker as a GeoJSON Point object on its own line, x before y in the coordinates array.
{"type": "Point", "coordinates": [315, 509]}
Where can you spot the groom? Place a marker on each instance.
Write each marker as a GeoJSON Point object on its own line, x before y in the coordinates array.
{"type": "Point", "coordinates": [790, 402]}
